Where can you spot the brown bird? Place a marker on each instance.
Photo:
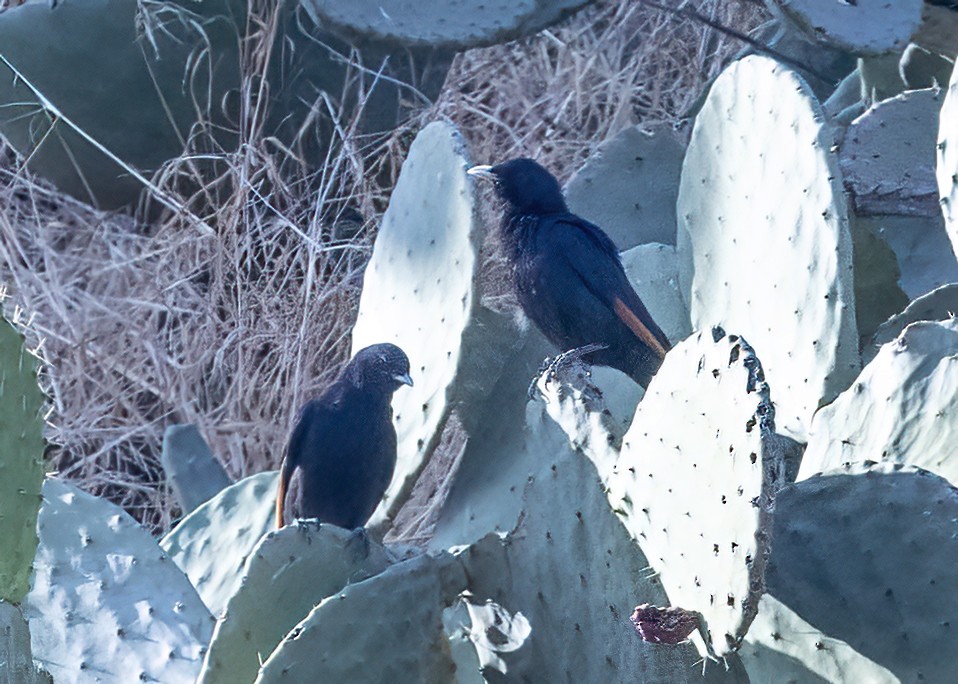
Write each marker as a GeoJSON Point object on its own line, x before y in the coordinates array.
{"type": "Point", "coordinates": [568, 274]}
{"type": "Point", "coordinates": [341, 454]}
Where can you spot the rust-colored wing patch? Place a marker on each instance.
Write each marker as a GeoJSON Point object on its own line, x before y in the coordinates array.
{"type": "Point", "coordinates": [628, 317]}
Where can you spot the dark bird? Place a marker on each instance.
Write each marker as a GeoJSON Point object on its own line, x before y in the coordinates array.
{"type": "Point", "coordinates": [342, 452]}
{"type": "Point", "coordinates": [568, 274]}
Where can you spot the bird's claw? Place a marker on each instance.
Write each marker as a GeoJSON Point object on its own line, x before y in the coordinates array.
{"type": "Point", "coordinates": [545, 365]}
{"type": "Point", "coordinates": [552, 367]}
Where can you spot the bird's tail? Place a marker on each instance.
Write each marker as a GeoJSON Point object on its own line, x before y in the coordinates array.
{"type": "Point", "coordinates": [280, 500]}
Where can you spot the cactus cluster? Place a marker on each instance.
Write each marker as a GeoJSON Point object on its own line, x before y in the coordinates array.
{"type": "Point", "coordinates": [763, 511]}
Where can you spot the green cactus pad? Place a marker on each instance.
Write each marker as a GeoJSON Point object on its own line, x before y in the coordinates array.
{"type": "Point", "coordinates": [947, 172]}
{"type": "Point", "coordinates": [194, 473]}
{"type": "Point", "coordinates": [865, 556]}
{"type": "Point", "coordinates": [878, 292]}
{"type": "Point", "coordinates": [881, 77]}
{"type": "Point", "coordinates": [823, 66]}
{"type": "Point", "coordinates": [763, 225]}
{"type": "Point", "coordinates": [888, 156]}
{"type": "Point", "coordinates": [138, 81]}
{"type": "Point", "coordinates": [628, 186]}
{"type": "Point", "coordinates": [939, 31]}
{"type": "Point", "coordinates": [290, 571]}
{"type": "Point", "coordinates": [385, 629]}
{"type": "Point", "coordinates": [921, 68]}
{"type": "Point", "coordinates": [16, 656]}
{"type": "Point", "coordinates": [212, 543]}
{"type": "Point", "coordinates": [456, 24]}
{"type": "Point", "coordinates": [903, 408]}
{"type": "Point", "coordinates": [941, 304]}
{"type": "Point", "coordinates": [486, 495]}
{"type": "Point", "coordinates": [653, 270]}
{"type": "Point", "coordinates": [419, 292]}
{"type": "Point", "coordinates": [21, 466]}
{"type": "Point", "coordinates": [106, 603]}
{"type": "Point", "coordinates": [696, 477]}
{"type": "Point", "coordinates": [782, 647]}
{"type": "Point", "coordinates": [864, 28]}
{"type": "Point", "coordinates": [922, 248]}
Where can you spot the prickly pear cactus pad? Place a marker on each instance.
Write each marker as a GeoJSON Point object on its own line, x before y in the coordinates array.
{"type": "Point", "coordinates": [289, 572]}
{"type": "Point", "coordinates": [947, 172]}
{"type": "Point", "coordinates": [763, 221]}
{"type": "Point", "coordinates": [385, 629]}
{"type": "Point", "coordinates": [106, 603]}
{"type": "Point", "coordinates": [866, 557]}
{"type": "Point", "coordinates": [21, 465]}
{"type": "Point", "coordinates": [16, 656]}
{"type": "Point", "coordinates": [695, 479]}
{"type": "Point", "coordinates": [498, 460]}
{"type": "Point", "coordinates": [145, 85]}
{"type": "Point", "coordinates": [193, 471]}
{"type": "Point", "coordinates": [888, 155]}
{"type": "Point", "coordinates": [211, 544]}
{"type": "Point", "coordinates": [654, 272]}
{"type": "Point", "coordinates": [456, 24]}
{"type": "Point", "coordinates": [922, 248]}
{"type": "Point", "coordinates": [941, 304]}
{"type": "Point", "coordinates": [903, 407]}
{"type": "Point", "coordinates": [878, 292]}
{"type": "Point", "coordinates": [419, 293]}
{"type": "Point", "coordinates": [781, 647]}
{"type": "Point", "coordinates": [867, 27]}
{"type": "Point", "coordinates": [628, 186]}
{"type": "Point", "coordinates": [939, 30]}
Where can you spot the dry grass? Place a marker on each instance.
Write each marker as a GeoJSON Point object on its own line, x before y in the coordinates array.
{"type": "Point", "coordinates": [142, 326]}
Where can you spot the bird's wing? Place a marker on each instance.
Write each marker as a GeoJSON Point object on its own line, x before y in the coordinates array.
{"type": "Point", "coordinates": [589, 252]}
{"type": "Point", "coordinates": [294, 447]}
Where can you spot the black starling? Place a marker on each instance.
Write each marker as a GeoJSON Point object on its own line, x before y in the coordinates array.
{"type": "Point", "coordinates": [342, 452]}
{"type": "Point", "coordinates": [568, 274]}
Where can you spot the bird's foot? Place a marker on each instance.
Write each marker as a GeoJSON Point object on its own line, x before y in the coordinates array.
{"type": "Point", "coordinates": [307, 525]}
{"type": "Point", "coordinates": [557, 367]}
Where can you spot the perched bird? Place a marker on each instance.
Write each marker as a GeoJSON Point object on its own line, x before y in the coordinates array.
{"type": "Point", "coordinates": [568, 274]}
{"type": "Point", "coordinates": [342, 452]}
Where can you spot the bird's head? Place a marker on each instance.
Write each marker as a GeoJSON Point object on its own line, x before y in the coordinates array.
{"type": "Point", "coordinates": [525, 185]}
{"type": "Point", "coordinates": [380, 366]}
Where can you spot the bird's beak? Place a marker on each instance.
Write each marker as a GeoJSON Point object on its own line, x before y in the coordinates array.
{"type": "Point", "coordinates": [404, 379]}
{"type": "Point", "coordinates": [482, 171]}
